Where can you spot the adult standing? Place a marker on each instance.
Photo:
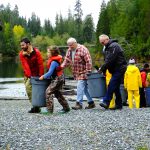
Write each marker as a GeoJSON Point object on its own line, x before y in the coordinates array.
{"type": "Point", "coordinates": [79, 58]}
{"type": "Point", "coordinates": [116, 64]}
{"type": "Point", "coordinates": [32, 64]}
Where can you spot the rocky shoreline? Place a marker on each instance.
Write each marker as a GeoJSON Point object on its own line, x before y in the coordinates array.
{"type": "Point", "coordinates": [95, 129]}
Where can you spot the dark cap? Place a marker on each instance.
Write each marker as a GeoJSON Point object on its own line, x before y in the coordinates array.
{"type": "Point", "coordinates": [146, 65]}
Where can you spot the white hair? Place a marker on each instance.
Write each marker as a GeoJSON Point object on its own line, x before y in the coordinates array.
{"type": "Point", "coordinates": [103, 36]}
{"type": "Point", "coordinates": [71, 40]}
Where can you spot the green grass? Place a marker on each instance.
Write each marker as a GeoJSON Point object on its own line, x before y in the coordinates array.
{"type": "Point", "coordinates": [142, 148]}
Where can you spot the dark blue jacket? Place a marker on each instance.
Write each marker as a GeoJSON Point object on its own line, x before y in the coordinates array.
{"type": "Point", "coordinates": [114, 58]}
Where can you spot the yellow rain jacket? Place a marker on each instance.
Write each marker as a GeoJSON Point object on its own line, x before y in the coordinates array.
{"type": "Point", "coordinates": [132, 78]}
{"type": "Point", "coordinates": [148, 80]}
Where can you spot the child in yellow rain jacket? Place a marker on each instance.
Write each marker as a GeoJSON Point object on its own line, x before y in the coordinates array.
{"type": "Point", "coordinates": [132, 82]}
{"type": "Point", "coordinates": [108, 77]}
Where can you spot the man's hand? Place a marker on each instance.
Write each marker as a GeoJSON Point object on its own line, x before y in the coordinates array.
{"type": "Point", "coordinates": [88, 73]}
{"type": "Point", "coordinates": [99, 70]}
{"type": "Point", "coordinates": [41, 77]}
{"type": "Point", "coordinates": [96, 67]}
{"type": "Point", "coordinates": [61, 66]}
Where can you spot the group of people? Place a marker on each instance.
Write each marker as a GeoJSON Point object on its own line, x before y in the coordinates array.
{"type": "Point", "coordinates": [78, 57]}
{"type": "Point", "coordinates": [134, 80]}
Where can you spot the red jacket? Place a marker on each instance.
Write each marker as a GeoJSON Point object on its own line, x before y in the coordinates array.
{"type": "Point", "coordinates": [33, 64]}
{"type": "Point", "coordinates": [58, 59]}
{"type": "Point", "coordinates": [82, 62]}
{"type": "Point", "coordinates": [143, 77]}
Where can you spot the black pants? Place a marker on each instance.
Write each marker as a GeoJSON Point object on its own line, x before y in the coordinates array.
{"type": "Point", "coordinates": [114, 87]}
{"type": "Point", "coordinates": [142, 98]}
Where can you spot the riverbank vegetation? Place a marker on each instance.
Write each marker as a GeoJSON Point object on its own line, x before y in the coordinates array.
{"type": "Point", "coordinates": [127, 21]}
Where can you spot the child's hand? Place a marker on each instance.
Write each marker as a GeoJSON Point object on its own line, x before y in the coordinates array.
{"type": "Point", "coordinates": [41, 77]}
{"type": "Point", "coordinates": [59, 68]}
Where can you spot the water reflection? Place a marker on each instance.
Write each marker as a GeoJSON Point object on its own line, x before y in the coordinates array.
{"type": "Point", "coordinates": [10, 68]}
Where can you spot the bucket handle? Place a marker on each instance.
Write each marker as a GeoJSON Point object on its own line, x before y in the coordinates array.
{"type": "Point", "coordinates": [37, 80]}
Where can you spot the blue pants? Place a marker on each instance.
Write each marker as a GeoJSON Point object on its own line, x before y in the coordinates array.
{"type": "Point", "coordinates": [82, 89]}
{"type": "Point", "coordinates": [114, 87]}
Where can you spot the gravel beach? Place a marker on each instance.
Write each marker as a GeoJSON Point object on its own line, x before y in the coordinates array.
{"type": "Point", "coordinates": [95, 129]}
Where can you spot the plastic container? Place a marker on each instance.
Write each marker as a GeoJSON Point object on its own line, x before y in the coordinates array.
{"type": "Point", "coordinates": [96, 85]}
{"type": "Point", "coordinates": [38, 91]}
{"type": "Point", "coordinates": [147, 95]}
{"type": "Point", "coordinates": [123, 93]}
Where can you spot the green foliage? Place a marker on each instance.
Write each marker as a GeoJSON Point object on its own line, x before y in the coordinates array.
{"type": "Point", "coordinates": [142, 148]}
{"type": "Point", "coordinates": [18, 33]}
{"type": "Point", "coordinates": [88, 28]}
{"type": "Point", "coordinates": [78, 20]}
{"type": "Point", "coordinates": [61, 40]}
{"type": "Point", "coordinates": [103, 24]}
{"type": "Point", "coordinates": [34, 25]}
{"type": "Point", "coordinates": [126, 20]}
{"type": "Point", "coordinates": [42, 42]}
{"type": "Point", "coordinates": [8, 41]}
{"type": "Point", "coordinates": [16, 27]}
{"type": "Point", "coordinates": [129, 22]}
{"type": "Point", "coordinates": [48, 29]}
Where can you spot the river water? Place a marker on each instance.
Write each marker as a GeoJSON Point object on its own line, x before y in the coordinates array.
{"type": "Point", "coordinates": [11, 80]}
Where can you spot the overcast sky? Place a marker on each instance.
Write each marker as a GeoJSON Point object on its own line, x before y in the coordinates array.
{"type": "Point", "coordinates": [47, 9]}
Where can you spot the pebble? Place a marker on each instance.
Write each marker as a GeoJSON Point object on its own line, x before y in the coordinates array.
{"type": "Point", "coordinates": [95, 129]}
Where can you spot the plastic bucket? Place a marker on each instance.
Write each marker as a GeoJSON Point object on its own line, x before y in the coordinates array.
{"type": "Point", "coordinates": [123, 93]}
{"type": "Point", "coordinates": [147, 95]}
{"type": "Point", "coordinates": [96, 85]}
{"type": "Point", "coordinates": [38, 91]}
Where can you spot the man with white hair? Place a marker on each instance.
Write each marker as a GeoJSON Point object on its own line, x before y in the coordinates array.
{"type": "Point", "coordinates": [116, 64]}
{"type": "Point", "coordinates": [78, 57]}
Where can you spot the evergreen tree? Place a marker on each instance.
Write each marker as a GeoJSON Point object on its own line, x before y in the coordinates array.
{"type": "Point", "coordinates": [59, 29]}
{"type": "Point", "coordinates": [78, 18]}
{"type": "Point", "coordinates": [48, 28]}
{"type": "Point", "coordinates": [102, 25]}
{"type": "Point", "coordinates": [88, 29]}
{"type": "Point", "coordinates": [34, 25]}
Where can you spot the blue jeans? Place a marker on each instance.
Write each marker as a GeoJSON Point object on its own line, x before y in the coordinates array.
{"type": "Point", "coordinates": [82, 89]}
{"type": "Point", "coordinates": [114, 87]}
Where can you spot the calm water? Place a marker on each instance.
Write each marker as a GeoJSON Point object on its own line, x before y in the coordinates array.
{"type": "Point", "coordinates": [10, 68]}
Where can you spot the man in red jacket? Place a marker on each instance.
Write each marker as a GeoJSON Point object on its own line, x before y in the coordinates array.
{"type": "Point", "coordinates": [32, 64]}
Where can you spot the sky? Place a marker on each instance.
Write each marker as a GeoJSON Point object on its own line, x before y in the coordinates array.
{"type": "Point", "coordinates": [47, 9]}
